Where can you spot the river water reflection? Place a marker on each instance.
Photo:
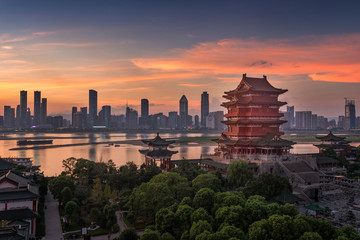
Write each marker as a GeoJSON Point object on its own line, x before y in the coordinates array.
{"type": "Point", "coordinates": [50, 159]}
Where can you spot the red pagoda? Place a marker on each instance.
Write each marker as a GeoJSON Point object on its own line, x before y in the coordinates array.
{"type": "Point", "coordinates": [253, 121]}
{"type": "Point", "coordinates": [158, 152]}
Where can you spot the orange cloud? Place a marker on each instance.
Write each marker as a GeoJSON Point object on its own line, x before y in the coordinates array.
{"type": "Point", "coordinates": [323, 58]}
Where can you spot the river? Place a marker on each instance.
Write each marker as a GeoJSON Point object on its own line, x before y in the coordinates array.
{"type": "Point", "coordinates": [50, 160]}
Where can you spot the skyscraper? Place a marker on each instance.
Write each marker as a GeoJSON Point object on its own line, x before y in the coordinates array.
{"type": "Point", "coordinates": [204, 108]}
{"type": "Point", "coordinates": [291, 110]}
{"type": "Point", "coordinates": [84, 120]}
{"type": "Point", "coordinates": [43, 111]}
{"type": "Point", "coordinates": [7, 116]}
{"type": "Point", "coordinates": [73, 119]}
{"type": "Point", "coordinates": [183, 107]}
{"type": "Point", "coordinates": [37, 102]}
{"type": "Point", "coordinates": [106, 114]}
{"type": "Point", "coordinates": [144, 107]}
{"type": "Point", "coordinates": [131, 118]}
{"type": "Point", "coordinates": [23, 109]}
{"type": "Point", "coordinates": [350, 118]}
{"type": "Point", "coordinates": [92, 107]}
{"type": "Point", "coordinates": [18, 117]}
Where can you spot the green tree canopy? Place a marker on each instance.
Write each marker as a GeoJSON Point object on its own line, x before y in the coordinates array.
{"type": "Point", "coordinates": [199, 227]}
{"type": "Point", "coordinates": [208, 180]}
{"type": "Point", "coordinates": [204, 198]}
{"type": "Point", "coordinates": [128, 234]}
{"type": "Point", "coordinates": [56, 185]}
{"type": "Point", "coordinates": [239, 174]}
{"type": "Point", "coordinates": [177, 184]}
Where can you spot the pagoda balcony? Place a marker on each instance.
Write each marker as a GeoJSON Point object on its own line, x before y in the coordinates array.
{"type": "Point", "coordinates": [255, 112]}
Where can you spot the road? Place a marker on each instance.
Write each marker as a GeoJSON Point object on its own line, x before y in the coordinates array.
{"type": "Point", "coordinates": [52, 218]}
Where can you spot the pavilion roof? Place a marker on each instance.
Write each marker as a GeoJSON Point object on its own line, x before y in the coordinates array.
{"type": "Point", "coordinates": [158, 141]}
{"type": "Point", "coordinates": [5, 165]}
{"type": "Point", "coordinates": [255, 84]}
{"type": "Point", "coordinates": [18, 214]}
{"type": "Point", "coordinates": [331, 137]}
{"type": "Point", "coordinates": [157, 153]}
{"type": "Point", "coordinates": [286, 196]}
{"type": "Point", "coordinates": [323, 159]}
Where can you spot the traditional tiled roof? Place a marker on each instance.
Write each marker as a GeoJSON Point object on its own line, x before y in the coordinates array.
{"type": "Point", "coordinates": [17, 195]}
{"type": "Point", "coordinates": [157, 153]}
{"type": "Point", "coordinates": [21, 181]}
{"type": "Point", "coordinates": [255, 84]}
{"type": "Point", "coordinates": [331, 137]}
{"type": "Point", "coordinates": [157, 141]}
{"type": "Point", "coordinates": [314, 207]}
{"type": "Point", "coordinates": [211, 163]}
{"type": "Point", "coordinates": [5, 165]}
{"type": "Point", "coordinates": [10, 233]}
{"type": "Point", "coordinates": [18, 214]}
{"type": "Point", "coordinates": [272, 140]}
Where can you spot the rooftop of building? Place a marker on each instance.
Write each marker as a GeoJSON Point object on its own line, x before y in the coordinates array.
{"type": "Point", "coordinates": [331, 137]}
{"type": "Point", "coordinates": [158, 141]}
{"type": "Point", "coordinates": [256, 84]}
{"type": "Point", "coordinates": [17, 214]}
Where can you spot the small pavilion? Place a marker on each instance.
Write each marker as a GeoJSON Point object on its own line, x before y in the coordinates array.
{"type": "Point", "coordinates": [158, 151]}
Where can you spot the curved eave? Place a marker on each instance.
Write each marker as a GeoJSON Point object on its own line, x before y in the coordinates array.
{"type": "Point", "coordinates": [278, 103]}
{"type": "Point", "coordinates": [248, 122]}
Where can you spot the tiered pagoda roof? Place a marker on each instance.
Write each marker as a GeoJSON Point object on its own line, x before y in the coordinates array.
{"type": "Point", "coordinates": [162, 145]}
{"type": "Point", "coordinates": [255, 84]}
{"type": "Point", "coordinates": [331, 137]}
{"type": "Point", "coordinates": [158, 141]}
{"type": "Point", "coordinates": [270, 140]}
{"type": "Point", "coordinates": [253, 121]}
{"type": "Point", "coordinates": [248, 102]}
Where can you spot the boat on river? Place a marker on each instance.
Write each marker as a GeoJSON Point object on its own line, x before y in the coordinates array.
{"type": "Point", "coordinates": [34, 142]}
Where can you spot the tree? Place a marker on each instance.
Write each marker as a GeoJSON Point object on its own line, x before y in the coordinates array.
{"type": "Point", "coordinates": [208, 180]}
{"type": "Point", "coordinates": [183, 217]}
{"type": "Point", "coordinates": [149, 198]}
{"type": "Point", "coordinates": [150, 235]}
{"type": "Point", "coordinates": [165, 221]}
{"type": "Point", "coordinates": [280, 227]}
{"type": "Point", "coordinates": [255, 209]}
{"type": "Point", "coordinates": [66, 195]}
{"type": "Point", "coordinates": [231, 231]}
{"type": "Point", "coordinates": [300, 227]}
{"type": "Point", "coordinates": [177, 184]}
{"type": "Point", "coordinates": [239, 174]}
{"type": "Point", "coordinates": [201, 214]}
{"type": "Point", "coordinates": [148, 172]}
{"type": "Point", "coordinates": [128, 234]}
{"type": "Point", "coordinates": [259, 230]}
{"type": "Point", "coordinates": [70, 208]}
{"type": "Point", "coordinates": [187, 170]}
{"type": "Point", "coordinates": [204, 198]}
{"type": "Point", "coordinates": [57, 184]}
{"type": "Point", "coordinates": [95, 215]}
{"type": "Point", "coordinates": [232, 216]}
{"type": "Point", "coordinates": [167, 236]}
{"type": "Point", "coordinates": [267, 185]}
{"type": "Point", "coordinates": [97, 194]}
{"type": "Point", "coordinates": [310, 236]}
{"type": "Point", "coordinates": [199, 227]}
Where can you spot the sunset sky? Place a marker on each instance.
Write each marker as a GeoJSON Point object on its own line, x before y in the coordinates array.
{"type": "Point", "coordinates": [160, 50]}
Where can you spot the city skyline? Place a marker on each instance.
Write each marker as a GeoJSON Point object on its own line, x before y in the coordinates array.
{"type": "Point", "coordinates": [150, 51]}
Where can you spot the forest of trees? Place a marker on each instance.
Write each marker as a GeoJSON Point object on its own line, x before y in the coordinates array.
{"type": "Point", "coordinates": [187, 203]}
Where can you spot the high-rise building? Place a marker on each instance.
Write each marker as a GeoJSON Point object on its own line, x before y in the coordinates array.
{"type": "Point", "coordinates": [183, 107]}
{"type": "Point", "coordinates": [92, 108]}
{"type": "Point", "coordinates": [84, 119]}
{"type": "Point", "coordinates": [106, 115]}
{"type": "Point", "coordinates": [18, 117]}
{"type": "Point", "coordinates": [204, 108]}
{"type": "Point", "coordinates": [214, 120]}
{"type": "Point", "coordinates": [196, 124]}
{"type": "Point", "coordinates": [23, 109]}
{"type": "Point", "coordinates": [131, 118]}
{"type": "Point", "coordinates": [341, 121]}
{"type": "Point", "coordinates": [287, 118]}
{"type": "Point", "coordinates": [303, 119]}
{"type": "Point", "coordinates": [291, 111]}
{"type": "Point", "coordinates": [173, 120]}
{"type": "Point", "coordinates": [73, 119]}
{"type": "Point", "coordinates": [43, 111]}
{"type": "Point", "coordinates": [144, 107]}
{"type": "Point", "coordinates": [350, 118]}
{"type": "Point", "coordinates": [7, 117]}
{"type": "Point", "coordinates": [37, 103]}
